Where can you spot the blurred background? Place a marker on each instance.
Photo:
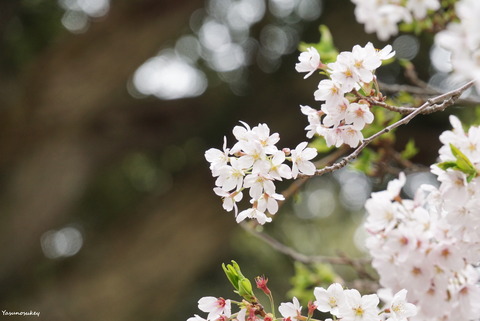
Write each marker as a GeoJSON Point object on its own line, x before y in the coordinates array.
{"type": "Point", "coordinates": [106, 203]}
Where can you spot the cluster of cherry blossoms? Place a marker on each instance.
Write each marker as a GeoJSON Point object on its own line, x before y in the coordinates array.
{"type": "Point", "coordinates": [254, 163]}
{"type": "Point", "coordinates": [431, 245]}
{"type": "Point", "coordinates": [342, 304]}
{"type": "Point", "coordinates": [344, 113]}
{"type": "Point", "coordinates": [462, 39]}
{"type": "Point", "coordinates": [383, 16]}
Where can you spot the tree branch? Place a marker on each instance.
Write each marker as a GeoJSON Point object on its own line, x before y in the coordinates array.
{"type": "Point", "coordinates": [297, 256]}
{"type": "Point", "coordinates": [432, 105]}
{"type": "Point", "coordinates": [327, 160]}
{"type": "Point", "coordinates": [418, 91]}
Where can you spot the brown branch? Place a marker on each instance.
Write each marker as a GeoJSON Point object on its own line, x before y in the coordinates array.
{"type": "Point", "coordinates": [419, 91]}
{"type": "Point", "coordinates": [327, 160]}
{"type": "Point", "coordinates": [297, 256]}
{"type": "Point", "coordinates": [411, 74]}
{"type": "Point", "coordinates": [432, 105]}
{"type": "Point", "coordinates": [414, 90]}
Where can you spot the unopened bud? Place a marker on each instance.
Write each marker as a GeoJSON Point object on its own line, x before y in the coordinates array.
{"type": "Point", "coordinates": [245, 290]}
{"type": "Point", "coordinates": [311, 308]}
{"type": "Point", "coordinates": [363, 101]}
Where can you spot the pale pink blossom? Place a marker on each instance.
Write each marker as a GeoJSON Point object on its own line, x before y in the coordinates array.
{"type": "Point", "coordinates": [358, 115]}
{"type": "Point", "coordinates": [253, 213]}
{"type": "Point", "coordinates": [301, 157]}
{"type": "Point", "coordinates": [330, 299]}
{"type": "Point", "coordinates": [400, 309]}
{"type": "Point", "coordinates": [291, 310]}
{"type": "Point", "coordinates": [215, 307]}
{"type": "Point", "coordinates": [359, 308]}
{"type": "Point", "coordinates": [309, 62]}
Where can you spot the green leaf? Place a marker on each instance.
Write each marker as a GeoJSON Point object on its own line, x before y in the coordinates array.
{"type": "Point", "coordinates": [463, 163]}
{"type": "Point", "coordinates": [366, 161]}
{"type": "Point", "coordinates": [446, 165]}
{"type": "Point", "coordinates": [306, 278]}
{"type": "Point", "coordinates": [410, 150]}
{"type": "Point", "coordinates": [231, 274]}
{"type": "Point", "coordinates": [326, 48]}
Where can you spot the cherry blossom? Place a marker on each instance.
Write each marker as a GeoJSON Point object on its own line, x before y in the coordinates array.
{"type": "Point", "coordinates": [309, 62]}
{"type": "Point", "coordinates": [301, 157]}
{"type": "Point", "coordinates": [358, 115]}
{"type": "Point", "coordinates": [429, 244]}
{"type": "Point", "coordinates": [215, 307]}
{"type": "Point", "coordinates": [330, 299]}
{"type": "Point", "coordinates": [253, 213]}
{"type": "Point", "coordinates": [400, 309]}
{"type": "Point", "coordinates": [358, 307]}
{"type": "Point", "coordinates": [344, 119]}
{"type": "Point", "coordinates": [291, 310]}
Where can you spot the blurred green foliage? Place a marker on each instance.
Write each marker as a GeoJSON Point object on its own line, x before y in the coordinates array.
{"type": "Point", "coordinates": [28, 26]}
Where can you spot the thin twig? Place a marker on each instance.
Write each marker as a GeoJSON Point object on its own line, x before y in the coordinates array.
{"type": "Point", "coordinates": [422, 92]}
{"type": "Point", "coordinates": [411, 74]}
{"type": "Point", "coordinates": [414, 90]}
{"type": "Point", "coordinates": [327, 160]}
{"type": "Point", "coordinates": [297, 256]}
{"type": "Point", "coordinates": [434, 104]}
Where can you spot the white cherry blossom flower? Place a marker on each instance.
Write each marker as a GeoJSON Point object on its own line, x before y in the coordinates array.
{"type": "Point", "coordinates": [395, 185]}
{"type": "Point", "coordinates": [419, 8]}
{"type": "Point", "coordinates": [277, 169]}
{"type": "Point", "coordinates": [358, 115]}
{"type": "Point", "coordinates": [343, 72]}
{"type": "Point", "coordinates": [217, 158]}
{"type": "Point", "coordinates": [267, 141]}
{"type": "Point", "coordinates": [242, 134]}
{"type": "Point", "coordinates": [253, 155]}
{"type": "Point", "coordinates": [309, 62]}
{"type": "Point", "coordinates": [196, 318]}
{"type": "Point", "coordinates": [215, 307]}
{"type": "Point", "coordinates": [229, 199]}
{"type": "Point", "coordinates": [359, 308]}
{"type": "Point", "coordinates": [313, 120]}
{"type": "Point", "coordinates": [329, 90]}
{"type": "Point", "coordinates": [301, 157]}
{"type": "Point", "coordinates": [400, 309]}
{"type": "Point", "coordinates": [382, 213]}
{"type": "Point", "coordinates": [335, 112]}
{"type": "Point", "coordinates": [231, 176]}
{"type": "Point", "coordinates": [269, 202]}
{"type": "Point", "coordinates": [333, 136]}
{"type": "Point", "coordinates": [290, 310]}
{"type": "Point", "coordinates": [330, 299]}
{"type": "Point", "coordinates": [386, 53]}
{"type": "Point", "coordinates": [351, 136]}
{"type": "Point", "coordinates": [259, 184]}
{"type": "Point", "coordinates": [366, 60]}
{"type": "Point", "coordinates": [253, 213]}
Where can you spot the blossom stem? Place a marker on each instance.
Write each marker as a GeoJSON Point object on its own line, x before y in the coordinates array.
{"type": "Point", "coordinates": [272, 304]}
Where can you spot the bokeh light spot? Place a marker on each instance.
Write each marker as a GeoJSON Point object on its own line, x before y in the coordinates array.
{"type": "Point", "coordinates": [62, 243]}
{"type": "Point", "coordinates": [169, 76]}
